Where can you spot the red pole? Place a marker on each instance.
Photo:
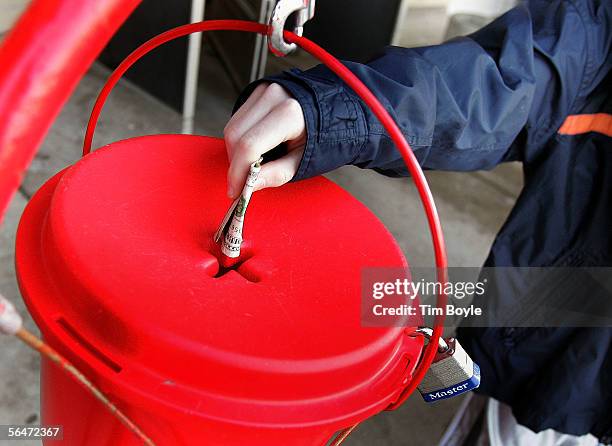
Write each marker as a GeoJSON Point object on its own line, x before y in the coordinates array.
{"type": "Point", "coordinates": [41, 61]}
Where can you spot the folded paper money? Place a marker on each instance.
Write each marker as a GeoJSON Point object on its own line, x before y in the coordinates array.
{"type": "Point", "coordinates": [229, 233]}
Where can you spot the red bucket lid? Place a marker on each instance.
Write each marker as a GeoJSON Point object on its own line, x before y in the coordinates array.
{"type": "Point", "coordinates": [116, 262]}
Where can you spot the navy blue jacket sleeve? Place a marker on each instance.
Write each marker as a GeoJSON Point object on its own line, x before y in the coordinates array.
{"type": "Point", "coordinates": [467, 104]}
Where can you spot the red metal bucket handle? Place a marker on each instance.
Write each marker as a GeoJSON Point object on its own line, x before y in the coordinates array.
{"type": "Point", "coordinates": [366, 95]}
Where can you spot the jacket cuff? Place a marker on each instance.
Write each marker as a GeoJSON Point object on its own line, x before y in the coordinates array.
{"type": "Point", "coordinates": [336, 128]}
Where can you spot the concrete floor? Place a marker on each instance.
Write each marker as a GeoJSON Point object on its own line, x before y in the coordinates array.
{"type": "Point", "coordinates": [472, 207]}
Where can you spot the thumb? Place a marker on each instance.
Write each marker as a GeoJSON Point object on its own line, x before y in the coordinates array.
{"type": "Point", "coordinates": [280, 171]}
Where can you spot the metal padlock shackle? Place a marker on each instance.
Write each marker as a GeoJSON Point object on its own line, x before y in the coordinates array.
{"type": "Point", "coordinates": [370, 100]}
{"type": "Point", "coordinates": [443, 346]}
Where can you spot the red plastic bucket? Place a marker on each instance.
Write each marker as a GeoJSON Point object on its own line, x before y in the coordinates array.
{"type": "Point", "coordinates": [116, 264]}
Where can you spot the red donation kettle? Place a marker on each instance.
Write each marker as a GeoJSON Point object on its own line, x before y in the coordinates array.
{"type": "Point", "coordinates": [116, 263]}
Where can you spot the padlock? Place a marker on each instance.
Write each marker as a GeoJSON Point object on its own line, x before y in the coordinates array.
{"type": "Point", "coordinates": [451, 373]}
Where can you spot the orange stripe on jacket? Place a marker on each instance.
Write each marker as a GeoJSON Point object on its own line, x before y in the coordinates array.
{"type": "Point", "coordinates": [578, 124]}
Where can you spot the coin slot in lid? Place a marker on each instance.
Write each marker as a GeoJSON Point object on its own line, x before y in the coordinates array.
{"type": "Point", "coordinates": [239, 265]}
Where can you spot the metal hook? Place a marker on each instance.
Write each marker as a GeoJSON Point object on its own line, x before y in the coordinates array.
{"type": "Point", "coordinates": [282, 11]}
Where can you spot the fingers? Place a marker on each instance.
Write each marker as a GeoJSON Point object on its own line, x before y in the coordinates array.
{"type": "Point", "coordinates": [255, 133]}
{"type": "Point", "coordinates": [280, 171]}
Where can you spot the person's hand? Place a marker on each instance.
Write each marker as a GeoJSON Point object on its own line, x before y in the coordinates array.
{"type": "Point", "coordinates": [269, 117]}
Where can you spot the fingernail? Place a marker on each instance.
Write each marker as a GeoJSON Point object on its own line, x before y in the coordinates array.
{"type": "Point", "coordinates": [230, 191]}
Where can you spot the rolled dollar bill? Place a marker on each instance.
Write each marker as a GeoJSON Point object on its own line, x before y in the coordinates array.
{"type": "Point", "coordinates": [230, 229]}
